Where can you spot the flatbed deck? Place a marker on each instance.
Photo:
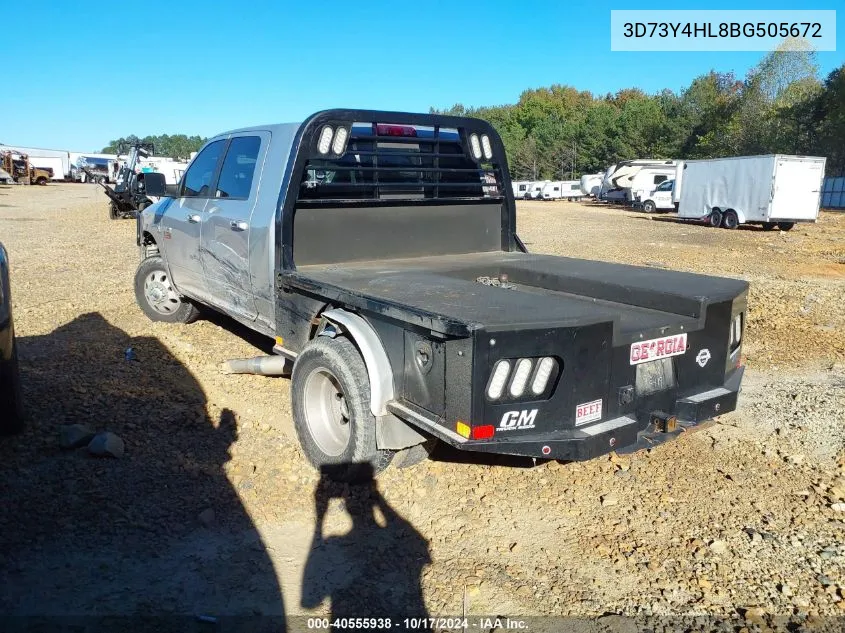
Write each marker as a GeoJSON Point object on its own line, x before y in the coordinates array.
{"type": "Point", "coordinates": [442, 293]}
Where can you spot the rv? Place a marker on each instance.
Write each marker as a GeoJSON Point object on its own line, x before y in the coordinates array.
{"type": "Point", "coordinates": [616, 186]}
{"type": "Point", "coordinates": [773, 190]}
{"type": "Point", "coordinates": [535, 190]}
{"type": "Point", "coordinates": [520, 188]}
{"type": "Point", "coordinates": [562, 190]}
{"type": "Point", "coordinates": [591, 184]}
{"type": "Point", "coordinates": [647, 179]}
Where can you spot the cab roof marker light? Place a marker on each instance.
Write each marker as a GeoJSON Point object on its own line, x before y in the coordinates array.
{"type": "Point", "coordinates": [340, 137]}
{"type": "Point", "coordinates": [497, 381]}
{"type": "Point", "coordinates": [541, 377]}
{"type": "Point", "coordinates": [475, 145]}
{"type": "Point", "coordinates": [485, 145]}
{"type": "Point", "coordinates": [520, 377]}
{"type": "Point", "coordinates": [325, 141]}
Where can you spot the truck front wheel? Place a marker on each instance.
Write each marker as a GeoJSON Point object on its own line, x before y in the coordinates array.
{"type": "Point", "coordinates": [157, 297]}
{"type": "Point", "coordinates": [649, 206]}
{"type": "Point", "coordinates": [330, 392]}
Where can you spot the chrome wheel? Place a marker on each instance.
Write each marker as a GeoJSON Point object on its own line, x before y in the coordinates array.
{"type": "Point", "coordinates": [326, 412]}
{"type": "Point", "coordinates": [159, 293]}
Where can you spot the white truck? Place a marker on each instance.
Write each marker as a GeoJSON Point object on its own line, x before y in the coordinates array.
{"type": "Point", "coordinates": [770, 190]}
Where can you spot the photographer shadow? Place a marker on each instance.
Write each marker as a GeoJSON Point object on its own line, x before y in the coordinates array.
{"type": "Point", "coordinates": [373, 571]}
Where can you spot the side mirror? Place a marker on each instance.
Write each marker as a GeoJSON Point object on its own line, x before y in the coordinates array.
{"type": "Point", "coordinates": [171, 191]}
{"type": "Point", "coordinates": [155, 185]}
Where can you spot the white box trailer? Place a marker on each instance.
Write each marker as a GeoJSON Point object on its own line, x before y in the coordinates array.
{"type": "Point", "coordinates": [55, 159]}
{"type": "Point", "coordinates": [771, 190]}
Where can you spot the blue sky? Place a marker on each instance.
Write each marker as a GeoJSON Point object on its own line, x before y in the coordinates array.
{"type": "Point", "coordinates": [200, 67]}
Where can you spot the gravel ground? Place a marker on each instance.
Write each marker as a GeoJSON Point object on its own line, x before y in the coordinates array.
{"type": "Point", "coordinates": [212, 510]}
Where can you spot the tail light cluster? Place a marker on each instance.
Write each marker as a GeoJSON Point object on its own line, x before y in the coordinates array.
{"type": "Point", "coordinates": [520, 378]}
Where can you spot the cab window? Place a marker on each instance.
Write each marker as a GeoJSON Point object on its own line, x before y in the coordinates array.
{"type": "Point", "coordinates": [239, 168]}
{"type": "Point", "coordinates": [197, 180]}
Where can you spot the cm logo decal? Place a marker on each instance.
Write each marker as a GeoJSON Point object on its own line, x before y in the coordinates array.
{"type": "Point", "coordinates": [518, 420]}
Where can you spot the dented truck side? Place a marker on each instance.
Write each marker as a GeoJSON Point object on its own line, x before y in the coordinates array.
{"type": "Point", "coordinates": [380, 251]}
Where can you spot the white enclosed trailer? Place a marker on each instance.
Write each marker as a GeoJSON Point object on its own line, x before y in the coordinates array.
{"type": "Point", "coordinates": [535, 189]}
{"type": "Point", "coordinates": [772, 190]}
{"type": "Point", "coordinates": [55, 159]}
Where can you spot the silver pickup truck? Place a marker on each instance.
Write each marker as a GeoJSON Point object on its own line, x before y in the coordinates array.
{"type": "Point", "coordinates": [380, 251]}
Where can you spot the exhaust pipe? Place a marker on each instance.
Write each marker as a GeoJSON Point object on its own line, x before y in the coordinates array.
{"type": "Point", "coordinates": [260, 365]}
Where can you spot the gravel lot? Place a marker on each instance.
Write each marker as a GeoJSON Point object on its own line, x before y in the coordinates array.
{"type": "Point", "coordinates": [211, 510]}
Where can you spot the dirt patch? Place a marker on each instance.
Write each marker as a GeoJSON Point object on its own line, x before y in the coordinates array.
{"type": "Point", "coordinates": [737, 516]}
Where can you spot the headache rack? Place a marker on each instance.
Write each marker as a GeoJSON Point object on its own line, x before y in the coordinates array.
{"type": "Point", "coordinates": [383, 163]}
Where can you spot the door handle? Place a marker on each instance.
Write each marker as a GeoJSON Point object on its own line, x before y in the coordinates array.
{"type": "Point", "coordinates": [193, 218]}
{"type": "Point", "coordinates": [238, 226]}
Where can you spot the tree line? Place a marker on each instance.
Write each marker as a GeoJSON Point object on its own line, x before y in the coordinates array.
{"type": "Point", "coordinates": [781, 106]}
{"type": "Point", "coordinates": [176, 146]}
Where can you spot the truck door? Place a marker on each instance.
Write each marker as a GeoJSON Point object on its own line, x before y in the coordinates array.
{"type": "Point", "coordinates": [182, 221]}
{"type": "Point", "coordinates": [226, 230]}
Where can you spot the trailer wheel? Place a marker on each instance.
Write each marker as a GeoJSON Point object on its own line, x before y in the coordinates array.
{"type": "Point", "coordinates": [785, 226]}
{"type": "Point", "coordinates": [768, 226]}
{"type": "Point", "coordinates": [730, 219]}
{"type": "Point", "coordinates": [157, 297]}
{"type": "Point", "coordinates": [649, 206]}
{"type": "Point", "coordinates": [715, 218]}
{"type": "Point", "coordinates": [114, 214]}
{"type": "Point", "coordinates": [330, 392]}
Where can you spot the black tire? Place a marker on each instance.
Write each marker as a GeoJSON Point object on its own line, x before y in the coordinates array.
{"type": "Point", "coordinates": [152, 277]}
{"type": "Point", "coordinates": [649, 206]}
{"type": "Point", "coordinates": [768, 226]}
{"type": "Point", "coordinates": [730, 220]}
{"type": "Point", "coordinates": [11, 398]}
{"type": "Point", "coordinates": [41, 181]}
{"type": "Point", "coordinates": [785, 226]}
{"type": "Point", "coordinates": [715, 218]}
{"type": "Point", "coordinates": [114, 214]}
{"type": "Point", "coordinates": [348, 443]}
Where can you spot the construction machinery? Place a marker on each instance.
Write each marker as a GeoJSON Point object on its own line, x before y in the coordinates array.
{"type": "Point", "coordinates": [128, 196]}
{"type": "Point", "coordinates": [17, 165]}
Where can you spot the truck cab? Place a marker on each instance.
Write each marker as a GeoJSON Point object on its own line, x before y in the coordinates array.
{"type": "Point", "coordinates": [379, 250]}
{"type": "Point", "coordinates": [659, 198]}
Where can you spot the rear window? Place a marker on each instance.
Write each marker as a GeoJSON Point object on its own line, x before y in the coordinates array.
{"type": "Point", "coordinates": [400, 162]}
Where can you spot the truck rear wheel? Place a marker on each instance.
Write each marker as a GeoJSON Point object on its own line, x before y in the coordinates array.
{"type": "Point", "coordinates": [768, 226]}
{"type": "Point", "coordinates": [330, 392]}
{"type": "Point", "coordinates": [157, 297]}
{"type": "Point", "coordinates": [730, 220]}
{"type": "Point", "coordinates": [785, 226]}
{"type": "Point", "coordinates": [41, 181]}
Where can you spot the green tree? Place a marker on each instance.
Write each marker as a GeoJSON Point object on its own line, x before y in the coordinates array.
{"type": "Point", "coordinates": [177, 146]}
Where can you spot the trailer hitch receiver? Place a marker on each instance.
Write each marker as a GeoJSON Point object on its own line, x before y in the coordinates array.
{"type": "Point", "coordinates": [663, 422]}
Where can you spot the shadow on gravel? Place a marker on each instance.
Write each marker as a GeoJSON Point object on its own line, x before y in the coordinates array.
{"type": "Point", "coordinates": [155, 540]}
{"type": "Point", "coordinates": [374, 570]}
{"type": "Point", "coordinates": [676, 220]}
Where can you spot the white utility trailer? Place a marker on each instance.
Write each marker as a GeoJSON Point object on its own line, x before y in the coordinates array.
{"type": "Point", "coordinates": [771, 190]}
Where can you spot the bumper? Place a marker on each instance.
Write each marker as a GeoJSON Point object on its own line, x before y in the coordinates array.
{"type": "Point", "coordinates": [624, 434]}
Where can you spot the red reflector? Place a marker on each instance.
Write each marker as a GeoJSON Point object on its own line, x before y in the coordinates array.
{"type": "Point", "coordinates": [384, 129]}
{"type": "Point", "coordinates": [483, 432]}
